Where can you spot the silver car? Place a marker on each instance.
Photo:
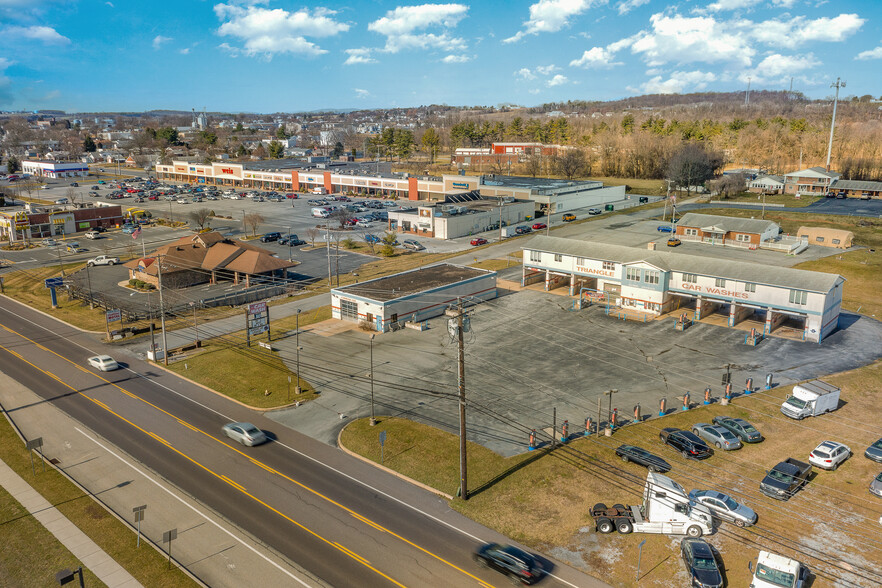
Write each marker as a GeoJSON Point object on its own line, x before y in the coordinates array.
{"type": "Point", "coordinates": [876, 486]}
{"type": "Point", "coordinates": [244, 433]}
{"type": "Point", "coordinates": [723, 507]}
{"type": "Point", "coordinates": [719, 437]}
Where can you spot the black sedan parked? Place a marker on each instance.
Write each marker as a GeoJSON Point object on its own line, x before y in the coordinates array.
{"type": "Point", "coordinates": [689, 444]}
{"type": "Point", "coordinates": [701, 563]}
{"type": "Point", "coordinates": [642, 457]}
{"type": "Point", "coordinates": [744, 430]}
{"type": "Point", "coordinates": [515, 563]}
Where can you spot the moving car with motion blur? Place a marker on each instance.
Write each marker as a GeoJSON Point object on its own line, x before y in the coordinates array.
{"type": "Point", "coordinates": [515, 563]}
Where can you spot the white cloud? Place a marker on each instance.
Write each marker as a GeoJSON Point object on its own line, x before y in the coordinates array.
{"type": "Point", "coordinates": [110, 4]}
{"type": "Point", "coordinates": [158, 41]}
{"type": "Point", "coordinates": [47, 35]}
{"type": "Point", "coordinates": [557, 80]}
{"type": "Point", "coordinates": [629, 5]}
{"type": "Point", "coordinates": [800, 30]}
{"type": "Point", "coordinates": [401, 26]}
{"type": "Point", "coordinates": [682, 39]}
{"type": "Point", "coordinates": [184, 51]}
{"type": "Point", "coordinates": [781, 67]}
{"type": "Point", "coordinates": [723, 5]}
{"type": "Point", "coordinates": [229, 50]}
{"type": "Point", "coordinates": [549, 16]}
{"type": "Point", "coordinates": [456, 59]}
{"type": "Point", "coordinates": [525, 74]}
{"type": "Point", "coordinates": [358, 56]}
{"type": "Point", "coordinates": [678, 82]}
{"type": "Point", "coordinates": [359, 93]}
{"type": "Point", "coordinates": [268, 31]}
{"type": "Point", "coordinates": [597, 58]}
{"type": "Point", "coordinates": [871, 54]}
{"type": "Point", "coordinates": [547, 70]}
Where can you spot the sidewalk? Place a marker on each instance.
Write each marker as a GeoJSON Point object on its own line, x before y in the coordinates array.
{"type": "Point", "coordinates": [226, 326]}
{"type": "Point", "coordinates": [83, 548]}
{"type": "Point", "coordinates": [211, 549]}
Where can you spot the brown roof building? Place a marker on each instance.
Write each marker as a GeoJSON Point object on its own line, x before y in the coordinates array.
{"type": "Point", "coordinates": [207, 257]}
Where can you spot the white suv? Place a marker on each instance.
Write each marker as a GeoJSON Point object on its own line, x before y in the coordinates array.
{"type": "Point", "coordinates": [829, 454]}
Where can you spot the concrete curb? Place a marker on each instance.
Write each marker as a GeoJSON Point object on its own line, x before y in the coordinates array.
{"type": "Point", "coordinates": [387, 470]}
{"type": "Point", "coordinates": [47, 315]}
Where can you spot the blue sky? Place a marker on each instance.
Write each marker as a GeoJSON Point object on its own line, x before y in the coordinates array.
{"type": "Point", "coordinates": [281, 55]}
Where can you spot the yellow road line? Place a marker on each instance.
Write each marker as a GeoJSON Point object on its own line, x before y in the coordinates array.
{"type": "Point", "coordinates": [235, 485]}
{"type": "Point", "coordinates": [351, 554]}
{"type": "Point", "coordinates": [256, 462]}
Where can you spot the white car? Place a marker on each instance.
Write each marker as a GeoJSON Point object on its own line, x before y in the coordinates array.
{"type": "Point", "coordinates": [105, 363]}
{"type": "Point", "coordinates": [93, 235]}
{"type": "Point", "coordinates": [245, 433]}
{"type": "Point", "coordinates": [829, 455]}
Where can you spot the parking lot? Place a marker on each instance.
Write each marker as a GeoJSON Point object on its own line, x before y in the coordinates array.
{"type": "Point", "coordinates": [528, 354]}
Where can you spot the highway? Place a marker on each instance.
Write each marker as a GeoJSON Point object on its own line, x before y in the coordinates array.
{"type": "Point", "coordinates": [340, 519]}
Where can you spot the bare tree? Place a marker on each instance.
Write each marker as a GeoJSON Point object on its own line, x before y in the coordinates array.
{"type": "Point", "coordinates": [570, 163]}
{"type": "Point", "coordinates": [341, 215]}
{"type": "Point", "coordinates": [252, 222]}
{"type": "Point", "coordinates": [73, 196]}
{"type": "Point", "coordinates": [202, 215]}
{"type": "Point", "coordinates": [729, 185]}
{"type": "Point", "coordinates": [534, 165]}
{"type": "Point", "coordinates": [312, 233]}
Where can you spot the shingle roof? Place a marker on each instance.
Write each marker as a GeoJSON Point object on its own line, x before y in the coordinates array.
{"type": "Point", "coordinates": [727, 223]}
{"type": "Point", "coordinates": [856, 185]}
{"type": "Point", "coordinates": [756, 273]}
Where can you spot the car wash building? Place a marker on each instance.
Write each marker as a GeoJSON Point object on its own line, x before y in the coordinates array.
{"type": "Point", "coordinates": [656, 282]}
{"type": "Point", "coordinates": [391, 302]}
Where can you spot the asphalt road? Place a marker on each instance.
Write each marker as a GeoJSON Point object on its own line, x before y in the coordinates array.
{"type": "Point", "coordinates": [343, 521]}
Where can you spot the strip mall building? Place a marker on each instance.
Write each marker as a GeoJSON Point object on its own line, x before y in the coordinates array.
{"type": "Point", "coordinates": [658, 282]}
{"type": "Point", "coordinates": [551, 195]}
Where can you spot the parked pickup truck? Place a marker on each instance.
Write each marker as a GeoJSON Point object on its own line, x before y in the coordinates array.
{"type": "Point", "coordinates": [665, 509]}
{"type": "Point", "coordinates": [783, 480]}
{"type": "Point", "coordinates": [103, 260]}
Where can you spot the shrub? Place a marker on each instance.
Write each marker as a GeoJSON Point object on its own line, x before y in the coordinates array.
{"type": "Point", "coordinates": [348, 243]}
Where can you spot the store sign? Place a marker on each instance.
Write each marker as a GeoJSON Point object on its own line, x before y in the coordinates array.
{"type": "Point", "coordinates": [715, 291]}
{"type": "Point", "coordinates": [360, 183]}
{"type": "Point", "coordinates": [460, 185]}
{"type": "Point", "coordinates": [227, 170]}
{"type": "Point", "coordinates": [595, 271]}
{"type": "Point", "coordinates": [21, 220]}
{"type": "Point", "coordinates": [388, 184]}
{"type": "Point", "coordinates": [257, 307]}
{"type": "Point", "coordinates": [113, 315]}
{"type": "Point", "coordinates": [84, 225]}
{"type": "Point", "coordinates": [180, 168]}
{"type": "Point", "coordinates": [377, 184]}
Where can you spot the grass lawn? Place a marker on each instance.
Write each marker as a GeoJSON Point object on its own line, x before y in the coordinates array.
{"type": "Point", "coordinates": [27, 286]}
{"type": "Point", "coordinates": [638, 186]}
{"type": "Point", "coordinates": [30, 555]}
{"type": "Point", "coordinates": [20, 563]}
{"type": "Point", "coordinates": [541, 498]}
{"type": "Point", "coordinates": [246, 374]}
{"type": "Point", "coordinates": [862, 269]}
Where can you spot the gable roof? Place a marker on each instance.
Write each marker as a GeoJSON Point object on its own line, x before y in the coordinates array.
{"type": "Point", "coordinates": [857, 185]}
{"type": "Point", "coordinates": [726, 223]}
{"type": "Point", "coordinates": [813, 172]}
{"type": "Point", "coordinates": [776, 178]}
{"type": "Point", "coordinates": [756, 273]}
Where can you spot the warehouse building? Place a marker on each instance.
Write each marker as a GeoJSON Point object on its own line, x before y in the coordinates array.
{"type": "Point", "coordinates": [391, 302]}
{"type": "Point", "coordinates": [656, 282]}
{"type": "Point", "coordinates": [725, 230]}
{"type": "Point", "coordinates": [826, 237]}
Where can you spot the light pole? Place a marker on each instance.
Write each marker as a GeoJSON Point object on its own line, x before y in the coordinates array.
{"type": "Point", "coordinates": [195, 326]}
{"type": "Point", "coordinates": [297, 345]}
{"type": "Point", "coordinates": [373, 418]}
{"type": "Point", "coordinates": [289, 243]}
{"type": "Point", "coordinates": [836, 85]}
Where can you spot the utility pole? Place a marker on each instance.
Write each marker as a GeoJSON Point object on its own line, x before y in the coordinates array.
{"type": "Point", "coordinates": [463, 466]}
{"type": "Point", "coordinates": [500, 218]}
{"type": "Point", "coordinates": [747, 94]}
{"type": "Point", "coordinates": [373, 418]}
{"type": "Point", "coordinates": [161, 310]}
{"type": "Point", "coordinates": [297, 344]}
{"type": "Point", "coordinates": [328, 243]}
{"type": "Point", "coordinates": [836, 85]}
{"type": "Point", "coordinates": [609, 412]}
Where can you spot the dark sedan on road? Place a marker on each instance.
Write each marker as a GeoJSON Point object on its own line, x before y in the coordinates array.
{"type": "Point", "coordinates": [642, 457]}
{"type": "Point", "coordinates": [515, 563]}
{"type": "Point", "coordinates": [688, 444]}
{"type": "Point", "coordinates": [523, 230]}
{"type": "Point", "coordinates": [744, 430]}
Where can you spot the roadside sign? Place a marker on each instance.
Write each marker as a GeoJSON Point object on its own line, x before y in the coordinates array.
{"type": "Point", "coordinates": [54, 282]}
{"type": "Point", "coordinates": [382, 438]}
{"type": "Point", "coordinates": [257, 307]}
{"type": "Point", "coordinates": [114, 315]}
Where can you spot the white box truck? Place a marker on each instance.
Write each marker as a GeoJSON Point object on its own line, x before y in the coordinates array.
{"type": "Point", "coordinates": [665, 509]}
{"type": "Point", "coordinates": [776, 571]}
{"type": "Point", "coordinates": [508, 232]}
{"type": "Point", "coordinates": [811, 399]}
